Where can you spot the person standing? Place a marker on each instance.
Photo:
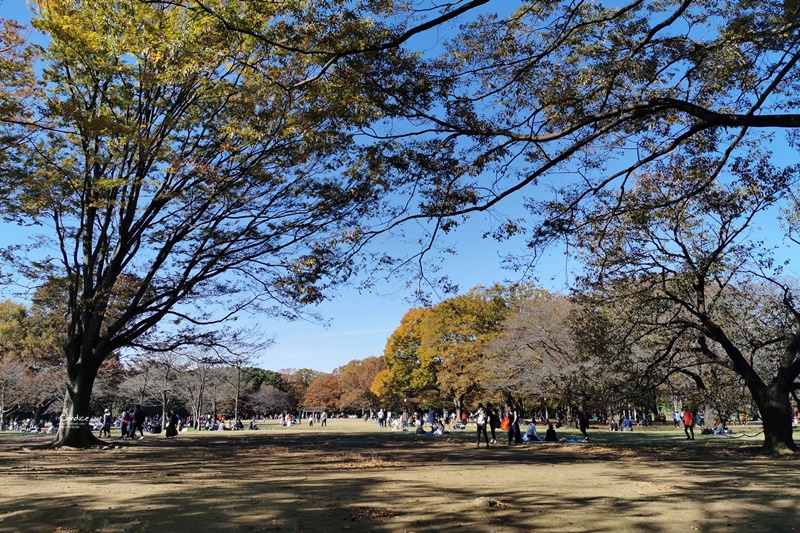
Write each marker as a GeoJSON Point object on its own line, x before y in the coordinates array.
{"type": "Point", "coordinates": [583, 424]}
{"type": "Point", "coordinates": [125, 423]}
{"type": "Point", "coordinates": [688, 423]}
{"type": "Point", "coordinates": [323, 419]}
{"type": "Point", "coordinates": [172, 425]}
{"type": "Point", "coordinates": [105, 430]}
{"type": "Point", "coordinates": [514, 436]}
{"type": "Point", "coordinates": [481, 420]}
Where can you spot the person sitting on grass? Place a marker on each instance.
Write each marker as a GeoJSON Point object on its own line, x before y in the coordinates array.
{"type": "Point", "coordinates": [530, 434]}
{"type": "Point", "coordinates": [550, 434]}
{"type": "Point", "coordinates": [438, 428]}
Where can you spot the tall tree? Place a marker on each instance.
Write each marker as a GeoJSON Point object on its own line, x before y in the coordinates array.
{"type": "Point", "coordinates": [17, 86]}
{"type": "Point", "coordinates": [269, 400]}
{"type": "Point", "coordinates": [323, 393]}
{"type": "Point", "coordinates": [542, 356]}
{"type": "Point", "coordinates": [402, 376]}
{"type": "Point", "coordinates": [437, 353]}
{"type": "Point", "coordinates": [186, 168]}
{"type": "Point", "coordinates": [192, 385]}
{"type": "Point", "coordinates": [260, 377]}
{"type": "Point", "coordinates": [12, 388]}
{"type": "Point", "coordinates": [297, 383]}
{"type": "Point", "coordinates": [355, 382]}
{"type": "Point", "coordinates": [453, 339]}
{"type": "Point", "coordinates": [29, 342]}
{"type": "Point", "coordinates": [693, 270]}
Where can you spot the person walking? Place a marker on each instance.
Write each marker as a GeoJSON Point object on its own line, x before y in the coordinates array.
{"type": "Point", "coordinates": [481, 420]}
{"type": "Point", "coordinates": [137, 423]}
{"type": "Point", "coordinates": [688, 423]}
{"type": "Point", "coordinates": [494, 421]}
{"type": "Point", "coordinates": [583, 424]}
{"type": "Point", "coordinates": [125, 423]}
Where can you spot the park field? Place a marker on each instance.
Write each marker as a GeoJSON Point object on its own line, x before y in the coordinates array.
{"type": "Point", "coordinates": [354, 477]}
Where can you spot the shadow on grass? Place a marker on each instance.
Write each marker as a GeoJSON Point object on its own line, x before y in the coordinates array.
{"type": "Point", "coordinates": [369, 481]}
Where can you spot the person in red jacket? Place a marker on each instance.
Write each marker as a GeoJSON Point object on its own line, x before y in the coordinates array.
{"type": "Point", "coordinates": [688, 423]}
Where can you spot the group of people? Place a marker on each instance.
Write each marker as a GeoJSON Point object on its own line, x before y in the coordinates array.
{"type": "Point", "coordinates": [132, 421]}
{"type": "Point", "coordinates": [224, 424]}
{"type": "Point", "coordinates": [487, 419]}
{"type": "Point", "coordinates": [30, 425]}
{"type": "Point", "coordinates": [626, 425]}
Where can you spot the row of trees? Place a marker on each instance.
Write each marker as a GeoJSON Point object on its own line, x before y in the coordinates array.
{"type": "Point", "coordinates": [542, 351]}
{"type": "Point", "coordinates": [600, 352]}
{"type": "Point", "coordinates": [32, 377]}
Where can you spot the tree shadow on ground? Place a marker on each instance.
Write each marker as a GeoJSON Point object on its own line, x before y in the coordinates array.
{"type": "Point", "coordinates": [255, 481]}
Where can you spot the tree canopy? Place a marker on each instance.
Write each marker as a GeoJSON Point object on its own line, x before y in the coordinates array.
{"type": "Point", "coordinates": [559, 100]}
{"type": "Point", "coordinates": [185, 168]}
{"type": "Point", "coordinates": [705, 282]}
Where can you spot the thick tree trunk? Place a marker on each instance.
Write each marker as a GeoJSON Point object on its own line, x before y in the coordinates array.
{"type": "Point", "coordinates": [74, 428]}
{"type": "Point", "coordinates": [776, 415]}
{"type": "Point", "coordinates": [458, 403]}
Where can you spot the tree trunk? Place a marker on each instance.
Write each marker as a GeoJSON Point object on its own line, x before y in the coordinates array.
{"type": "Point", "coordinates": [776, 415]}
{"type": "Point", "coordinates": [196, 412]}
{"type": "Point", "coordinates": [164, 400]}
{"type": "Point", "coordinates": [40, 409]}
{"type": "Point", "coordinates": [236, 406]}
{"type": "Point", "coordinates": [74, 428]}
{"type": "Point", "coordinates": [458, 403]}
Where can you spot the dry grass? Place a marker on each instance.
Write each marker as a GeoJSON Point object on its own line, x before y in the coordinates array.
{"type": "Point", "coordinates": [352, 476]}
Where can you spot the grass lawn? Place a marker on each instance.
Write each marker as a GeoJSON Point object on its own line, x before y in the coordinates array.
{"type": "Point", "coordinates": [353, 476]}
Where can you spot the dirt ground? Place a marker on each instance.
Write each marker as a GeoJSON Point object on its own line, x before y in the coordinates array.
{"type": "Point", "coordinates": [352, 476]}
